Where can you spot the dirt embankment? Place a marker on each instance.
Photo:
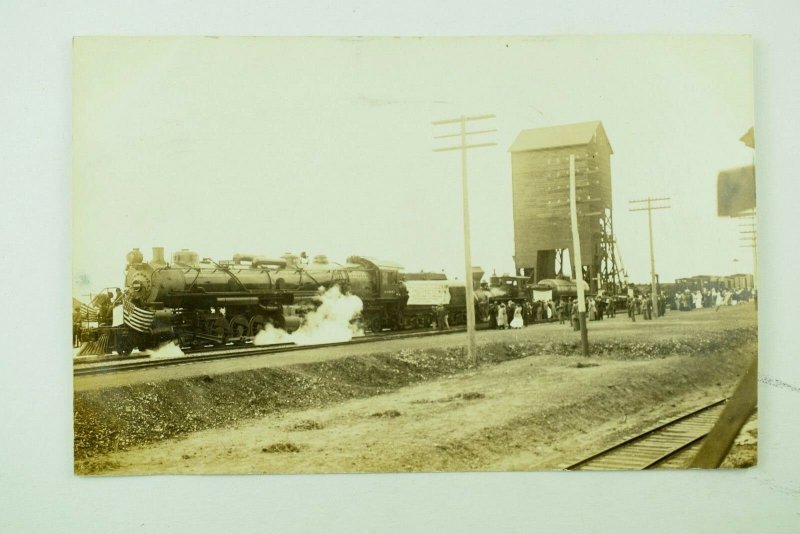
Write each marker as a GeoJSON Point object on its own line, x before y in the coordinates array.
{"type": "Point", "coordinates": [123, 417]}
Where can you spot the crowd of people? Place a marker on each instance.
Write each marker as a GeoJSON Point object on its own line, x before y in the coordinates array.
{"type": "Point", "coordinates": [597, 308]}
{"type": "Point", "coordinates": [709, 298]}
{"type": "Point", "coordinates": [642, 304]}
{"type": "Point", "coordinates": [516, 315]}
{"type": "Point", "coordinates": [103, 304]}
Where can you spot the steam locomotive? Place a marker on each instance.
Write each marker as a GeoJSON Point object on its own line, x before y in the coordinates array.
{"type": "Point", "coordinates": [201, 301]}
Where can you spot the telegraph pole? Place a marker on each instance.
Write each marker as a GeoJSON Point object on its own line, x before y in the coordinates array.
{"type": "Point", "coordinates": [575, 259]}
{"type": "Point", "coordinates": [749, 139]}
{"type": "Point", "coordinates": [576, 246]}
{"type": "Point", "coordinates": [463, 147]}
{"type": "Point", "coordinates": [650, 209]}
{"type": "Point", "coordinates": [749, 237]}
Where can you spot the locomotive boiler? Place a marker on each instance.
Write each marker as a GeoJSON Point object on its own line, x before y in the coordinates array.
{"type": "Point", "coordinates": [200, 301]}
{"type": "Point", "coordinates": [558, 288]}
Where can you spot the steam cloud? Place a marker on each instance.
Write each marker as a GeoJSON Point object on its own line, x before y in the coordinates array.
{"type": "Point", "coordinates": [170, 349]}
{"type": "Point", "coordinates": [331, 322]}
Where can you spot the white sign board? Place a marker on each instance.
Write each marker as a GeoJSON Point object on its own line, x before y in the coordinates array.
{"type": "Point", "coordinates": [542, 295]}
{"type": "Point", "coordinates": [427, 293]}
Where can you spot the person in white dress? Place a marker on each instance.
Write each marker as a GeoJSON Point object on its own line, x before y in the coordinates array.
{"type": "Point", "coordinates": [502, 320]}
{"type": "Point", "coordinates": [517, 322]}
{"type": "Point", "coordinates": [698, 300]}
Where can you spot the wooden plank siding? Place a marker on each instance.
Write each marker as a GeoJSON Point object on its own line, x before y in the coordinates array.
{"type": "Point", "coordinates": [540, 187]}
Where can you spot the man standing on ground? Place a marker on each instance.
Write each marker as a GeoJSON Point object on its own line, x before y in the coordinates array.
{"type": "Point", "coordinates": [76, 327]}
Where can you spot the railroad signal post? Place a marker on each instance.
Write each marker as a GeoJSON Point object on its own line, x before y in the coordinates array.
{"type": "Point", "coordinates": [650, 207]}
{"type": "Point", "coordinates": [463, 147]}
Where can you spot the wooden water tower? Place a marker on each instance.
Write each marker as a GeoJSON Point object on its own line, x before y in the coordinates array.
{"type": "Point", "coordinates": [540, 184]}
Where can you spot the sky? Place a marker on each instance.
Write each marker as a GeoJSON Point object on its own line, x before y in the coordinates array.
{"type": "Point", "coordinates": [325, 145]}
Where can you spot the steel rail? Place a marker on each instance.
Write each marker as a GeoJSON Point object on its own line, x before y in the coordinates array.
{"type": "Point", "coordinates": [658, 446]}
{"type": "Point", "coordinates": [230, 353]}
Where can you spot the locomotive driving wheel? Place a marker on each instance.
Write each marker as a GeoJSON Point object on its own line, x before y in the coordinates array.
{"type": "Point", "coordinates": [218, 327]}
{"type": "Point", "coordinates": [257, 323]}
{"type": "Point", "coordinates": [375, 325]}
{"type": "Point", "coordinates": [239, 326]}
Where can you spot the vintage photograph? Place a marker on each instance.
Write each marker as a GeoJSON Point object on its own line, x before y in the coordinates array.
{"type": "Point", "coordinates": [413, 254]}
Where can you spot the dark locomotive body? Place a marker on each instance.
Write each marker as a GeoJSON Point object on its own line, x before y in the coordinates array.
{"type": "Point", "coordinates": [201, 302]}
{"type": "Point", "coordinates": [560, 288]}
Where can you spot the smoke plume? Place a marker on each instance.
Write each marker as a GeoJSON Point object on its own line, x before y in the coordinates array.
{"type": "Point", "coordinates": [331, 322]}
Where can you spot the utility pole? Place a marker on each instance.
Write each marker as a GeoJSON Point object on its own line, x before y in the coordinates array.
{"type": "Point", "coordinates": [749, 237]}
{"type": "Point", "coordinates": [650, 209]}
{"type": "Point", "coordinates": [576, 246]}
{"type": "Point", "coordinates": [749, 139]}
{"type": "Point", "coordinates": [575, 260]}
{"type": "Point", "coordinates": [463, 147]}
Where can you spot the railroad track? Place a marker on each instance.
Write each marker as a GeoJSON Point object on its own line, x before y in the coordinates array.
{"type": "Point", "coordinates": [657, 445]}
{"type": "Point", "coordinates": [132, 364]}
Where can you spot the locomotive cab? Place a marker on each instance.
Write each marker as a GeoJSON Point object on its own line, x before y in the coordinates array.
{"type": "Point", "coordinates": [378, 285]}
{"type": "Point", "coordinates": [512, 287]}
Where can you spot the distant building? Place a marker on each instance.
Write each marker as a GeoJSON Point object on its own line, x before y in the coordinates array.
{"type": "Point", "coordinates": [734, 281]}
{"type": "Point", "coordinates": [740, 281]}
{"type": "Point", "coordinates": [540, 184]}
{"type": "Point", "coordinates": [701, 281]}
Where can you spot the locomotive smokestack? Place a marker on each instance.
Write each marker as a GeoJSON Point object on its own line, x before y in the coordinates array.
{"type": "Point", "coordinates": [134, 256]}
{"type": "Point", "coordinates": [158, 256]}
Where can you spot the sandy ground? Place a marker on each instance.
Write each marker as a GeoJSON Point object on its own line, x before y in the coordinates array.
{"type": "Point", "coordinates": [530, 412]}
